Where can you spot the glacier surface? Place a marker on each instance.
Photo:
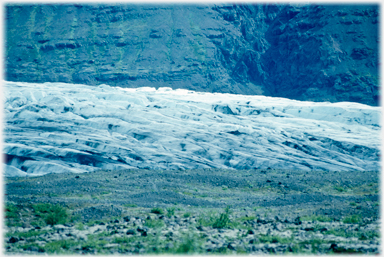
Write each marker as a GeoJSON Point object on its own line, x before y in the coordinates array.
{"type": "Point", "coordinates": [61, 127]}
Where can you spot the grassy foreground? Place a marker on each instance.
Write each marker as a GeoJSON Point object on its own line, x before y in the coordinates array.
{"type": "Point", "coordinates": [58, 214]}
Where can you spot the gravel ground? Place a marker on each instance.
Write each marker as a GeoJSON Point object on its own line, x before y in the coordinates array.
{"type": "Point", "coordinates": [271, 211]}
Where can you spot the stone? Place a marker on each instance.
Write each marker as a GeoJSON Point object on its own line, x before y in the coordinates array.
{"type": "Point", "coordinates": [230, 246]}
{"type": "Point", "coordinates": [13, 240]}
{"type": "Point", "coordinates": [297, 221]}
{"type": "Point", "coordinates": [131, 232]}
{"type": "Point", "coordinates": [142, 229]}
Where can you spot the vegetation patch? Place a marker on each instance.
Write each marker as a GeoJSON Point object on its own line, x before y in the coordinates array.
{"type": "Point", "coordinates": [353, 219]}
{"type": "Point", "coordinates": [170, 211]}
{"type": "Point", "coordinates": [320, 218]}
{"type": "Point", "coordinates": [274, 239]}
{"type": "Point", "coordinates": [154, 223]}
{"type": "Point", "coordinates": [60, 246]}
{"type": "Point", "coordinates": [157, 210]}
{"type": "Point", "coordinates": [223, 220]}
{"type": "Point", "coordinates": [52, 214]}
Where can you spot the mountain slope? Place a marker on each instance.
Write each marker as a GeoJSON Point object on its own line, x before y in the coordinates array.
{"type": "Point", "coordinates": [302, 51]}
{"type": "Point", "coordinates": [60, 127]}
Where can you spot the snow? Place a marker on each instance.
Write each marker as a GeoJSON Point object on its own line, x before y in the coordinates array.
{"type": "Point", "coordinates": [62, 127]}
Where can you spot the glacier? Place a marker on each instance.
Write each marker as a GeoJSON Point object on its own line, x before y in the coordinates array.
{"type": "Point", "coordinates": [63, 127]}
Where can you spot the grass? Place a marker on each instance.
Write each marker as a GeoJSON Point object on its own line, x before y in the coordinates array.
{"type": "Point", "coordinates": [361, 235]}
{"type": "Point", "coordinates": [250, 218]}
{"type": "Point", "coordinates": [274, 239]}
{"type": "Point", "coordinates": [28, 246]}
{"type": "Point", "coordinates": [27, 234]}
{"type": "Point", "coordinates": [170, 211]}
{"type": "Point", "coordinates": [189, 243]}
{"type": "Point", "coordinates": [130, 205]}
{"type": "Point", "coordinates": [353, 219]}
{"type": "Point", "coordinates": [315, 244]}
{"type": "Point", "coordinates": [320, 218]}
{"type": "Point", "coordinates": [339, 189]}
{"type": "Point", "coordinates": [211, 219]}
{"type": "Point", "coordinates": [223, 220]}
{"type": "Point", "coordinates": [157, 210]}
{"type": "Point", "coordinates": [11, 211]}
{"type": "Point", "coordinates": [52, 214]}
{"type": "Point", "coordinates": [60, 246]}
{"type": "Point", "coordinates": [80, 226]}
{"type": "Point", "coordinates": [154, 223]}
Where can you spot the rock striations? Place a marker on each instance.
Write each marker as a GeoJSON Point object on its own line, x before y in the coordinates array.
{"type": "Point", "coordinates": [302, 51]}
{"type": "Point", "coordinates": [62, 127]}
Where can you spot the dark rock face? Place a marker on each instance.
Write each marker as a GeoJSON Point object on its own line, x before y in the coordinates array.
{"type": "Point", "coordinates": [304, 52]}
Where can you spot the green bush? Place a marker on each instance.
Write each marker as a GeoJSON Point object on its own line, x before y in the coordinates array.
{"type": "Point", "coordinates": [170, 211]}
{"type": "Point", "coordinates": [40, 208]}
{"type": "Point", "coordinates": [157, 210]}
{"type": "Point", "coordinates": [223, 220]}
{"type": "Point", "coordinates": [52, 214]}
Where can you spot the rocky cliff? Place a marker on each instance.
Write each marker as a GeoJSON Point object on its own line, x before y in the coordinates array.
{"type": "Point", "coordinates": [304, 52]}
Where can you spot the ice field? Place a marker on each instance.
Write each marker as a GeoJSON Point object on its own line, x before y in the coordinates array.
{"type": "Point", "coordinates": [60, 127]}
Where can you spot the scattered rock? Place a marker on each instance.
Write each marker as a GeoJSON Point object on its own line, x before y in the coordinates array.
{"type": "Point", "coordinates": [13, 240]}
{"type": "Point", "coordinates": [231, 247]}
{"type": "Point", "coordinates": [131, 232]}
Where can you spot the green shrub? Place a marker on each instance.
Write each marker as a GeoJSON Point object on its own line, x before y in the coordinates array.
{"type": "Point", "coordinates": [40, 208]}
{"type": "Point", "coordinates": [170, 211]}
{"type": "Point", "coordinates": [157, 210]}
{"type": "Point", "coordinates": [223, 220]}
{"type": "Point", "coordinates": [52, 214]}
{"type": "Point", "coordinates": [187, 214]}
